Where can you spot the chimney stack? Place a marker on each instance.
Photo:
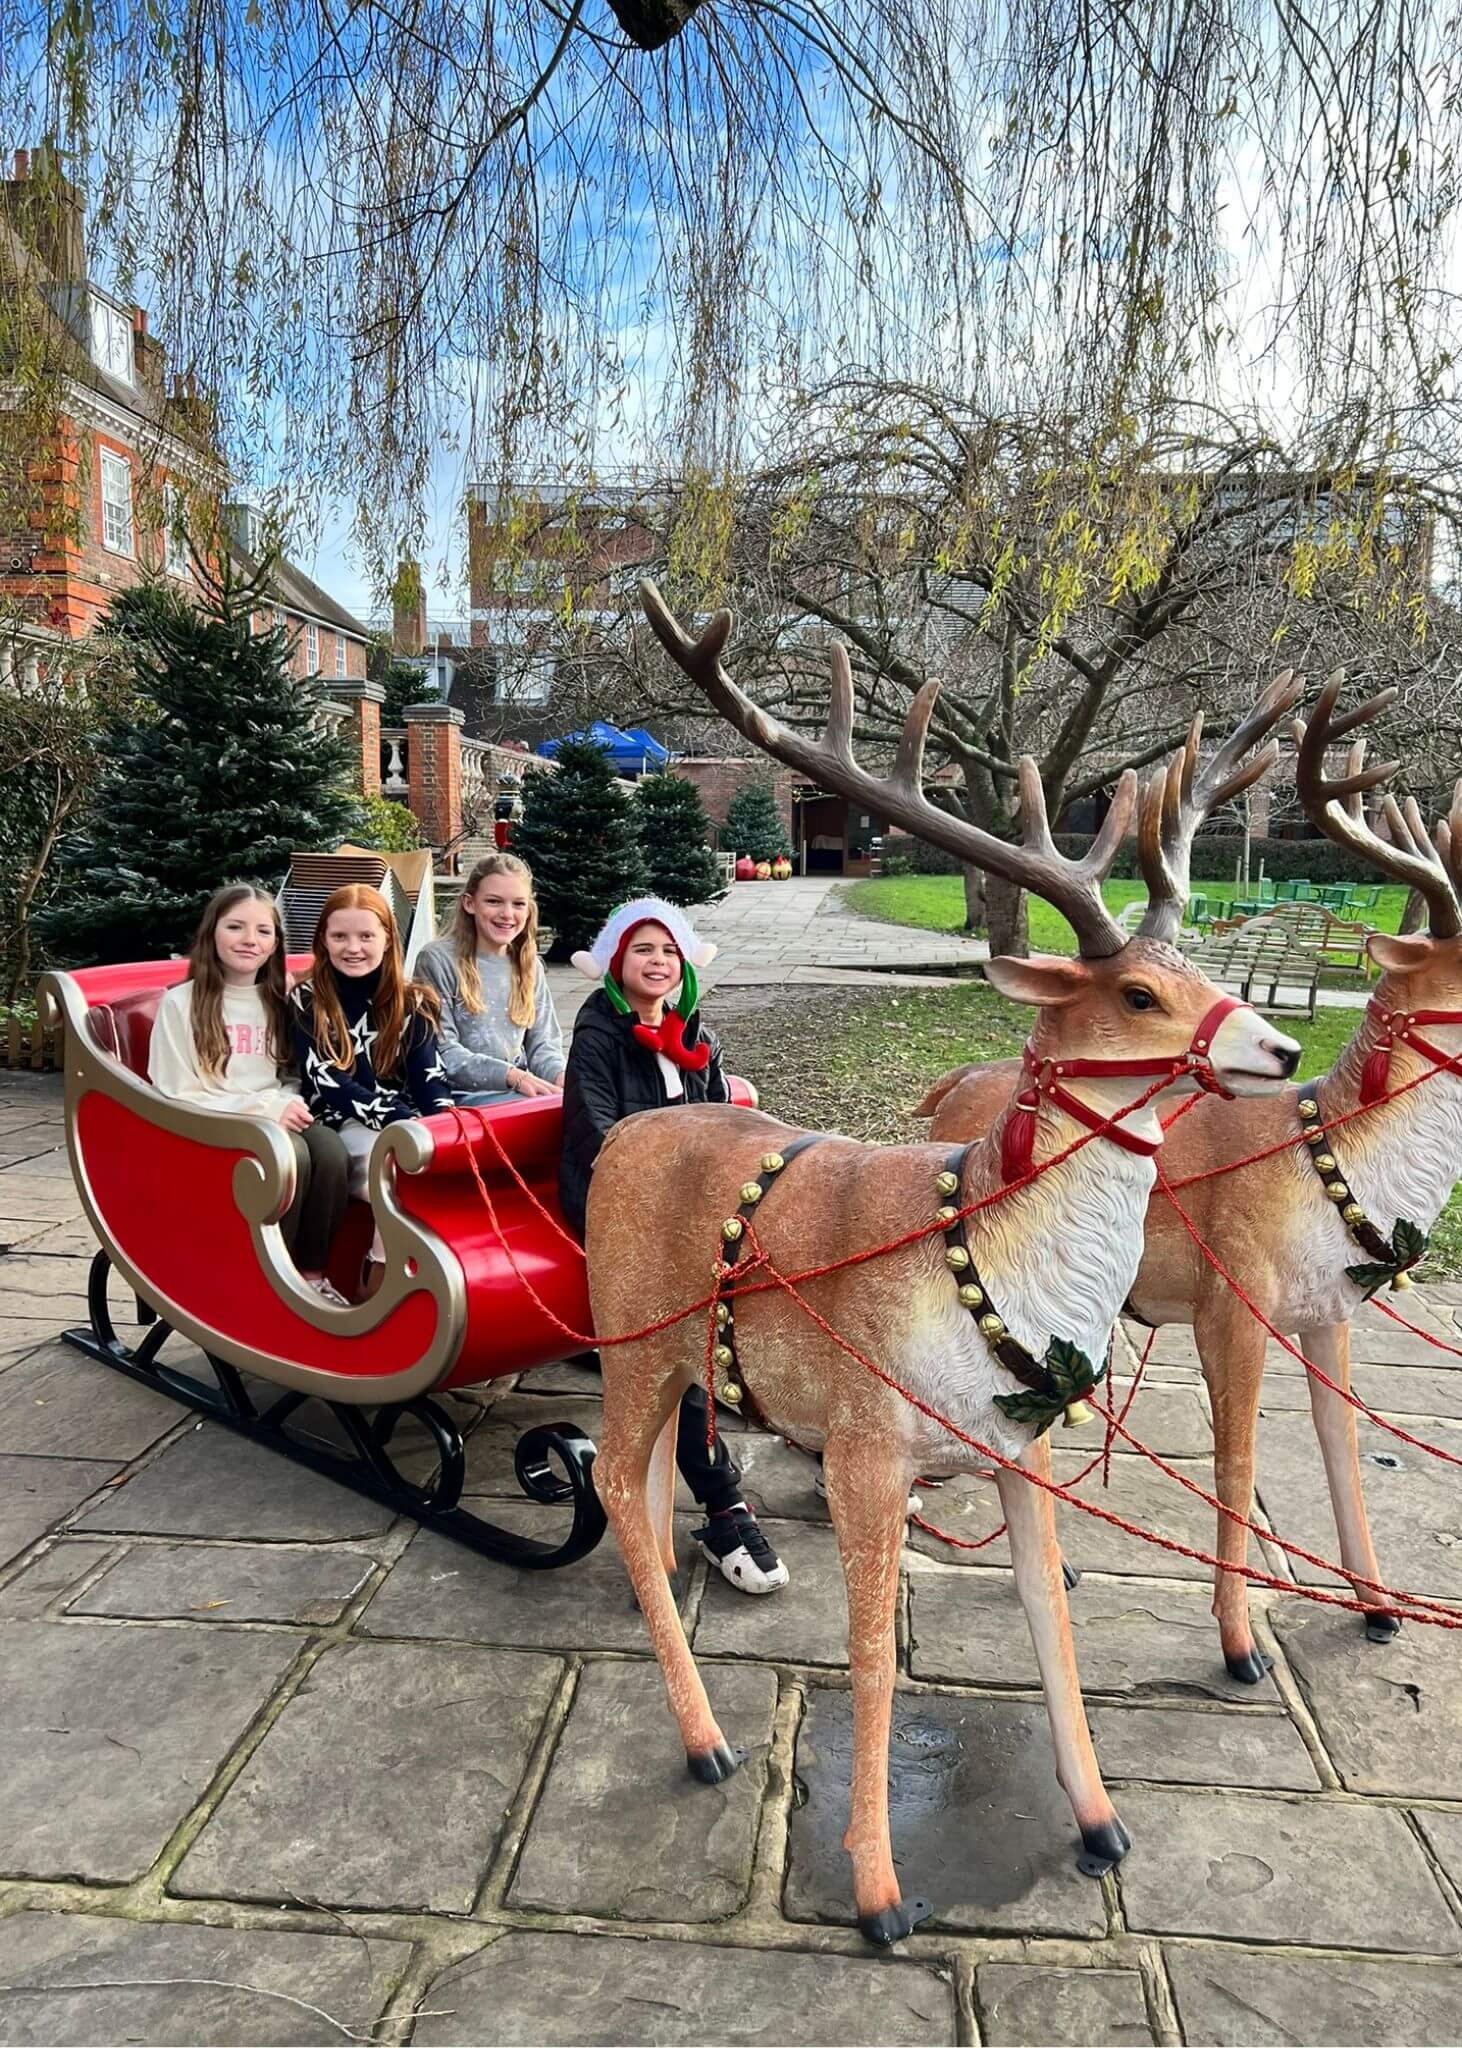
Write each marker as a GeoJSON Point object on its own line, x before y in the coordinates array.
{"type": "Point", "coordinates": [44, 208]}
{"type": "Point", "coordinates": [408, 609]}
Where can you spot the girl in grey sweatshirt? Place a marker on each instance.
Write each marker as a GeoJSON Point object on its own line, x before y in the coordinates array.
{"type": "Point", "coordinates": [500, 1037]}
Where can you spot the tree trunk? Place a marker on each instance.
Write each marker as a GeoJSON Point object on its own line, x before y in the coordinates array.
{"type": "Point", "coordinates": [974, 880]}
{"type": "Point", "coordinates": [1414, 913]}
{"type": "Point", "coordinates": [1005, 908]}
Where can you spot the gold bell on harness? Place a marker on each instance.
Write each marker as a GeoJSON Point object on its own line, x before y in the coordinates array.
{"type": "Point", "coordinates": [772, 1162]}
{"type": "Point", "coordinates": [1401, 1283]}
{"type": "Point", "coordinates": [724, 1356]}
{"type": "Point", "coordinates": [732, 1228]}
{"type": "Point", "coordinates": [723, 1315]}
{"type": "Point", "coordinates": [947, 1183]}
{"type": "Point", "coordinates": [1077, 1412]}
{"type": "Point", "coordinates": [730, 1393]}
{"type": "Point", "coordinates": [751, 1191]}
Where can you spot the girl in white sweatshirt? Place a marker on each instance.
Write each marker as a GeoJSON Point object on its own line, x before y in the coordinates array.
{"type": "Point", "coordinates": [220, 1041]}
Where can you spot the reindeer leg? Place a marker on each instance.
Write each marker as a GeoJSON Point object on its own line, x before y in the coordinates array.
{"type": "Point", "coordinates": [1231, 1346]}
{"type": "Point", "coordinates": [1334, 1418]}
{"type": "Point", "coordinates": [637, 1431]}
{"type": "Point", "coordinates": [1031, 1519]}
{"type": "Point", "coordinates": [867, 1490]}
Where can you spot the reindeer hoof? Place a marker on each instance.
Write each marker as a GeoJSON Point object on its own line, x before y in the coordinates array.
{"type": "Point", "coordinates": [1251, 1668]}
{"type": "Point", "coordinates": [1070, 1576]}
{"type": "Point", "coordinates": [1382, 1628]}
{"type": "Point", "coordinates": [711, 1766]}
{"type": "Point", "coordinates": [1102, 1848]}
{"type": "Point", "coordinates": [894, 1922]}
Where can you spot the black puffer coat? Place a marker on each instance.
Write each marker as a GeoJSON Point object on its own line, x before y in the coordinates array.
{"type": "Point", "coordinates": [610, 1075]}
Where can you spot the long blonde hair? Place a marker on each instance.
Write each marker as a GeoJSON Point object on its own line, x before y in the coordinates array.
{"type": "Point", "coordinates": [395, 996]}
{"type": "Point", "coordinates": [522, 953]}
{"type": "Point", "coordinates": [205, 978]}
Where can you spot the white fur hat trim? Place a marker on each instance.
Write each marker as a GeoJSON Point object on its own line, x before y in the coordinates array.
{"type": "Point", "coordinates": [645, 909]}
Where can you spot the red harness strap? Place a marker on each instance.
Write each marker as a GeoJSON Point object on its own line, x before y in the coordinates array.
{"type": "Point", "coordinates": [1048, 1080]}
{"type": "Point", "coordinates": [1399, 1027]}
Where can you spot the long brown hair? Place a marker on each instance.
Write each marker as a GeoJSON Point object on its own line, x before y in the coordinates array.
{"type": "Point", "coordinates": [522, 953]}
{"type": "Point", "coordinates": [395, 999]}
{"type": "Point", "coordinates": [205, 977]}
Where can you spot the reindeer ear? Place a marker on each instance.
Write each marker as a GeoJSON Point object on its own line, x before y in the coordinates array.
{"type": "Point", "coordinates": [1400, 952]}
{"type": "Point", "coordinates": [1046, 979]}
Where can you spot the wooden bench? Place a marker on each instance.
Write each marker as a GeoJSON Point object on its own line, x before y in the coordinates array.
{"type": "Point", "coordinates": [1262, 967]}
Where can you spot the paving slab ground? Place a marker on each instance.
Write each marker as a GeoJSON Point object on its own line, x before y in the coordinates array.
{"type": "Point", "coordinates": [277, 1768]}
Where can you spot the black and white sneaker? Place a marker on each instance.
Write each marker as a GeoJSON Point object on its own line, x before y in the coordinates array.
{"type": "Point", "coordinates": [734, 1542]}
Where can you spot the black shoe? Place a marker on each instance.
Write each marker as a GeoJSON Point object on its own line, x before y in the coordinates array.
{"type": "Point", "coordinates": [735, 1543]}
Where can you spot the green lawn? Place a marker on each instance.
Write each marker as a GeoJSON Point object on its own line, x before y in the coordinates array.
{"type": "Point", "coordinates": [936, 903]}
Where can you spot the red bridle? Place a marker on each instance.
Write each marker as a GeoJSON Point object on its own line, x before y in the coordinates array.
{"type": "Point", "coordinates": [1398, 1027]}
{"type": "Point", "coordinates": [1048, 1078]}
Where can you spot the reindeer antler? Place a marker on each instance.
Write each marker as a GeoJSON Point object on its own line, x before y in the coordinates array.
{"type": "Point", "coordinates": [1180, 797]}
{"type": "Point", "coordinates": [1334, 804]}
{"type": "Point", "coordinates": [1074, 887]}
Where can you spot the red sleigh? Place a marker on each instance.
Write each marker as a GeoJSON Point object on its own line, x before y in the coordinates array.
{"type": "Point", "coordinates": [186, 1205]}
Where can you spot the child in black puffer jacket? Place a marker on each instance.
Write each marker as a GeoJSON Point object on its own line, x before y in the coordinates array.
{"type": "Point", "coordinates": [638, 1044]}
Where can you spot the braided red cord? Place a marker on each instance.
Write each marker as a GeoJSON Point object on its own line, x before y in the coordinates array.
{"type": "Point", "coordinates": [1402, 1603]}
{"type": "Point", "coordinates": [1447, 1619]}
{"type": "Point", "coordinates": [1415, 1328]}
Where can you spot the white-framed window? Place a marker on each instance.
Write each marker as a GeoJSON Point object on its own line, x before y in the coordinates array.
{"type": "Point", "coordinates": [111, 339]}
{"type": "Point", "coordinates": [116, 481]}
{"type": "Point", "coordinates": [174, 531]}
{"type": "Point", "coordinates": [340, 654]}
{"type": "Point", "coordinates": [281, 623]}
{"type": "Point", "coordinates": [312, 650]}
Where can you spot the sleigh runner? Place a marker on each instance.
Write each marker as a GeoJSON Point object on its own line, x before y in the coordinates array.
{"type": "Point", "coordinates": [186, 1204]}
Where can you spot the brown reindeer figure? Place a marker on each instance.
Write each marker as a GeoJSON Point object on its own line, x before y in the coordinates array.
{"type": "Point", "coordinates": [993, 1326]}
{"type": "Point", "coordinates": [1293, 1229]}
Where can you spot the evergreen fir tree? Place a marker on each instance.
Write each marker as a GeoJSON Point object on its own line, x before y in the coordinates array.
{"type": "Point", "coordinates": [674, 835]}
{"type": "Point", "coordinates": [218, 774]}
{"type": "Point", "coordinates": [754, 824]}
{"type": "Point", "coordinates": [577, 833]}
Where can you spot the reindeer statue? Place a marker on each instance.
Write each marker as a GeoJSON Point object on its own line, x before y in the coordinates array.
{"type": "Point", "coordinates": [994, 1327]}
{"type": "Point", "coordinates": [1312, 1229]}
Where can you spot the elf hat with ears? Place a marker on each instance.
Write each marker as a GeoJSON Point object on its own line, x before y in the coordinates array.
{"type": "Point", "coordinates": [599, 962]}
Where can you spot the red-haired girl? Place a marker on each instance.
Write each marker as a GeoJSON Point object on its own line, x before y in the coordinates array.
{"type": "Point", "coordinates": [365, 1037]}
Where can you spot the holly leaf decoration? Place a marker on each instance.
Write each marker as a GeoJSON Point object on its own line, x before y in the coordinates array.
{"type": "Point", "coordinates": [1369, 1277]}
{"type": "Point", "coordinates": [1030, 1406]}
{"type": "Point", "coordinates": [1071, 1371]}
{"type": "Point", "coordinates": [1070, 1375]}
{"type": "Point", "coordinates": [1408, 1245]}
{"type": "Point", "coordinates": [1408, 1242]}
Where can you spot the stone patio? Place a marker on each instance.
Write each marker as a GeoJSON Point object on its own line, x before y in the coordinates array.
{"type": "Point", "coordinates": [275, 1767]}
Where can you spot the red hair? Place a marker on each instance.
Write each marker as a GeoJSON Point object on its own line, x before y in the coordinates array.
{"type": "Point", "coordinates": [395, 999]}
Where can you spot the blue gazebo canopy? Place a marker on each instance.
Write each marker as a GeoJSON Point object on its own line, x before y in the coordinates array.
{"type": "Point", "coordinates": [635, 752]}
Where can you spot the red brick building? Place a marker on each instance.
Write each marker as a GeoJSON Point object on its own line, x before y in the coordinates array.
{"type": "Point", "coordinates": [105, 494]}
{"type": "Point", "coordinates": [109, 467]}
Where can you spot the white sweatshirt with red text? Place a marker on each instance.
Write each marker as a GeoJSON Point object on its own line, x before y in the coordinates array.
{"type": "Point", "coordinates": [250, 1084]}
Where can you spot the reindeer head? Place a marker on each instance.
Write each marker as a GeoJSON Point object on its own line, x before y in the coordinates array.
{"type": "Point", "coordinates": [1420, 971]}
{"type": "Point", "coordinates": [1133, 999]}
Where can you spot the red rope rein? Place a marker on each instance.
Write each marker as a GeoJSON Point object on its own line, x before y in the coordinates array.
{"type": "Point", "coordinates": [1410, 1606]}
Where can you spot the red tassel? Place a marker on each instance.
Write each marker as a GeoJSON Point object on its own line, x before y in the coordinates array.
{"type": "Point", "coordinates": [1018, 1140]}
{"type": "Point", "coordinates": [1374, 1074]}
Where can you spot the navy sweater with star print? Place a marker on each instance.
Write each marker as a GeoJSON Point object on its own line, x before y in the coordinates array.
{"type": "Point", "coordinates": [417, 1087]}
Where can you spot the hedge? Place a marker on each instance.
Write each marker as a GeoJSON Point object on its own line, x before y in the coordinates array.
{"type": "Point", "coordinates": [1215, 857]}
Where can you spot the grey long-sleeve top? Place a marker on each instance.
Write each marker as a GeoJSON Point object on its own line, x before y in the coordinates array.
{"type": "Point", "coordinates": [478, 1047]}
